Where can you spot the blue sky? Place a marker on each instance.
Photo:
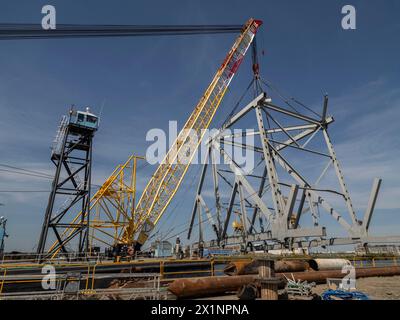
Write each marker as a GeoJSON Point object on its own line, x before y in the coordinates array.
{"type": "Point", "coordinates": [145, 82]}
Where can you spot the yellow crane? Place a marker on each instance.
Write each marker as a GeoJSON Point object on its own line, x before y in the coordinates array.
{"type": "Point", "coordinates": [114, 203]}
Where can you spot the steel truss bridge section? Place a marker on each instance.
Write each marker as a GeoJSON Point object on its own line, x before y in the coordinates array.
{"type": "Point", "coordinates": [281, 194]}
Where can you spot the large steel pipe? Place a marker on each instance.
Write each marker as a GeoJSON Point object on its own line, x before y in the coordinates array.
{"type": "Point", "coordinates": [211, 286]}
{"type": "Point", "coordinates": [208, 286]}
{"type": "Point", "coordinates": [237, 268]}
{"type": "Point", "coordinates": [328, 264]}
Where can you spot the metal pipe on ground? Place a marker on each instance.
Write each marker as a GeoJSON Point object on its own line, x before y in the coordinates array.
{"type": "Point", "coordinates": [328, 264]}
{"type": "Point", "coordinates": [212, 286]}
{"type": "Point", "coordinates": [237, 268]}
{"type": "Point", "coordinates": [208, 286]}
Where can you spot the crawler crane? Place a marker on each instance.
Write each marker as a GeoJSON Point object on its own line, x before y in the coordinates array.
{"type": "Point", "coordinates": [116, 220]}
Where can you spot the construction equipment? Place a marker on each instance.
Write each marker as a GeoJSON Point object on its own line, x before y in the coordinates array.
{"type": "Point", "coordinates": [163, 185]}
{"type": "Point", "coordinates": [278, 198]}
{"type": "Point", "coordinates": [165, 182]}
{"type": "Point", "coordinates": [112, 207]}
{"type": "Point", "coordinates": [72, 156]}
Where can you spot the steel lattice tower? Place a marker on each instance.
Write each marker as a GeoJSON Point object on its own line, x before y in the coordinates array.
{"type": "Point", "coordinates": [71, 187]}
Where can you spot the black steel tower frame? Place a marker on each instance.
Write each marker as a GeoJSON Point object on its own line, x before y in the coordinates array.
{"type": "Point", "coordinates": [76, 150]}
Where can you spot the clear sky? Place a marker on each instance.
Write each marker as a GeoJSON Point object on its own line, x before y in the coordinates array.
{"type": "Point", "coordinates": [145, 82]}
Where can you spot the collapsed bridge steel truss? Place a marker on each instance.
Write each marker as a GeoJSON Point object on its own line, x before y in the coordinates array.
{"type": "Point", "coordinates": [275, 201]}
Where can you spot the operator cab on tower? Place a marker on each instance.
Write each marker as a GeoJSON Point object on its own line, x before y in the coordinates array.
{"type": "Point", "coordinates": [84, 119]}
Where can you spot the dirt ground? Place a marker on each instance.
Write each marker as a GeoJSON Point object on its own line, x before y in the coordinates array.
{"type": "Point", "coordinates": [377, 288]}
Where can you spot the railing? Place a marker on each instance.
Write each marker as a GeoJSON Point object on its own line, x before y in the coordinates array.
{"type": "Point", "coordinates": [166, 269]}
{"type": "Point", "coordinates": [151, 288]}
{"type": "Point", "coordinates": [384, 261]}
{"type": "Point", "coordinates": [14, 258]}
{"type": "Point", "coordinates": [59, 136]}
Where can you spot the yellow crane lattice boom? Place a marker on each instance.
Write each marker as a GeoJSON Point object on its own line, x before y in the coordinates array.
{"type": "Point", "coordinates": [166, 180]}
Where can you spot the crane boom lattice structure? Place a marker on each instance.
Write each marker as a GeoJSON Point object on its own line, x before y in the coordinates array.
{"type": "Point", "coordinates": [165, 182]}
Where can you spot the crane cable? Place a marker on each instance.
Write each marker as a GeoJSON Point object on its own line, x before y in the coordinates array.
{"type": "Point", "coordinates": [16, 31]}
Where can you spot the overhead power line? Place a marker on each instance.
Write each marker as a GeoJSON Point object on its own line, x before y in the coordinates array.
{"type": "Point", "coordinates": [26, 170]}
{"type": "Point", "coordinates": [25, 173]}
{"type": "Point", "coordinates": [23, 191]}
{"type": "Point", "coordinates": [31, 173]}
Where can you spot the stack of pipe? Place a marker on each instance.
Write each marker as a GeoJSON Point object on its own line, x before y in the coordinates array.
{"type": "Point", "coordinates": [212, 286]}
